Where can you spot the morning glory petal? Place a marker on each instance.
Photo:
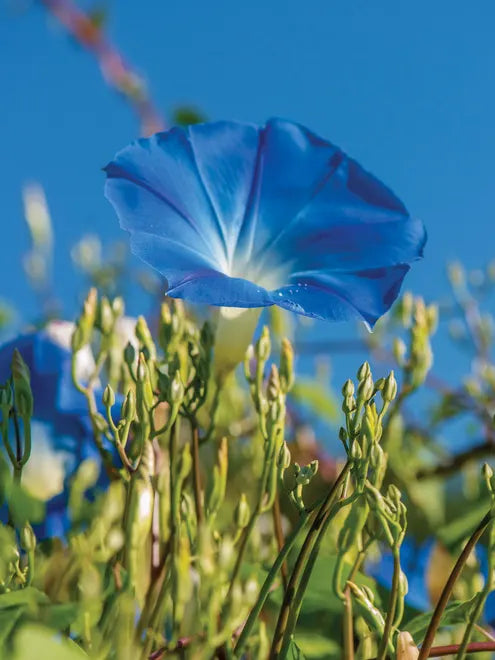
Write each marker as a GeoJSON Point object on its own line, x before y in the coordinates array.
{"type": "Point", "coordinates": [342, 296]}
{"type": "Point", "coordinates": [243, 216]}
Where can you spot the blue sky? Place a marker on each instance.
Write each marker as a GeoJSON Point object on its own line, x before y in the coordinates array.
{"type": "Point", "coordinates": [405, 87]}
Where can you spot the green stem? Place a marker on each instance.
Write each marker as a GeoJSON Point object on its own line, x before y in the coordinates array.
{"type": "Point", "coordinates": [295, 607]}
{"type": "Point", "coordinates": [348, 627]}
{"type": "Point", "coordinates": [307, 545]}
{"type": "Point", "coordinates": [447, 590]}
{"type": "Point", "coordinates": [270, 578]}
{"type": "Point", "coordinates": [389, 621]}
{"type": "Point", "coordinates": [480, 603]}
{"type": "Point", "coordinates": [196, 473]}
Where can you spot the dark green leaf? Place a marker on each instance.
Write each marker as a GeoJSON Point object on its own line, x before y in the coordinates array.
{"type": "Point", "coordinates": [457, 612]}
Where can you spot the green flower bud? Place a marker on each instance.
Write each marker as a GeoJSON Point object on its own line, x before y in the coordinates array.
{"type": "Point", "coordinates": [144, 337]}
{"type": "Point", "coordinates": [273, 387]}
{"type": "Point", "coordinates": [356, 453]}
{"type": "Point", "coordinates": [432, 318]}
{"type": "Point", "coordinates": [349, 404]}
{"type": "Point", "coordinates": [389, 391]}
{"type": "Point", "coordinates": [348, 388]}
{"type": "Point", "coordinates": [364, 371]}
{"type": "Point", "coordinates": [399, 350]}
{"type": "Point", "coordinates": [365, 388]}
{"type": "Point", "coordinates": [487, 472]}
{"type": "Point", "coordinates": [242, 512]}
{"type": "Point", "coordinates": [108, 397]}
{"type": "Point", "coordinates": [263, 345]}
{"type": "Point", "coordinates": [342, 435]}
{"type": "Point", "coordinates": [28, 538]}
{"type": "Point", "coordinates": [286, 366]}
{"type": "Point", "coordinates": [379, 384]}
{"type": "Point", "coordinates": [306, 473]}
{"type": "Point", "coordinates": [406, 307]}
{"type": "Point", "coordinates": [129, 406]}
{"type": "Point", "coordinates": [207, 338]}
{"type": "Point", "coordinates": [284, 457]}
{"type": "Point", "coordinates": [23, 396]}
{"type": "Point", "coordinates": [105, 318]}
{"type": "Point", "coordinates": [129, 354]}
{"type": "Point", "coordinates": [118, 307]}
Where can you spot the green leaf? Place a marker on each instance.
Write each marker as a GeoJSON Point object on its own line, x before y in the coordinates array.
{"type": "Point", "coordinates": [463, 524]}
{"type": "Point", "coordinates": [316, 646]}
{"type": "Point", "coordinates": [36, 641]}
{"type": "Point", "coordinates": [60, 616]}
{"type": "Point", "coordinates": [30, 596]}
{"type": "Point", "coordinates": [294, 652]}
{"type": "Point", "coordinates": [8, 620]}
{"type": "Point", "coordinates": [319, 399]}
{"type": "Point", "coordinates": [457, 612]}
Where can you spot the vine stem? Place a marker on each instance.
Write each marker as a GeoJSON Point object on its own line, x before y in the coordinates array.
{"type": "Point", "coordinates": [270, 578]}
{"type": "Point", "coordinates": [382, 651]}
{"type": "Point", "coordinates": [475, 614]}
{"type": "Point", "coordinates": [288, 602]}
{"type": "Point", "coordinates": [196, 473]}
{"type": "Point", "coordinates": [449, 585]}
{"type": "Point", "coordinates": [279, 534]}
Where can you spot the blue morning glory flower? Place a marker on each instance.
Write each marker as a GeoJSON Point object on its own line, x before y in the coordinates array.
{"type": "Point", "coordinates": [239, 215]}
{"type": "Point", "coordinates": [61, 429]}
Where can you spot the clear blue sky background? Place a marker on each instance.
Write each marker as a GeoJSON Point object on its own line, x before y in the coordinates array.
{"type": "Point", "coordinates": [405, 87]}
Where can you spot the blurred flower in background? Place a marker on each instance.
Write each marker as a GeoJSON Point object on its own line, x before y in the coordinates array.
{"type": "Point", "coordinates": [61, 428]}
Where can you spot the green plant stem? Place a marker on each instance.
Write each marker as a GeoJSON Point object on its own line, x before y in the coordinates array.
{"type": "Point", "coordinates": [389, 621]}
{"type": "Point", "coordinates": [307, 545]}
{"type": "Point", "coordinates": [480, 603]}
{"type": "Point", "coordinates": [447, 590]}
{"type": "Point", "coordinates": [297, 602]}
{"type": "Point", "coordinates": [279, 535]}
{"type": "Point", "coordinates": [270, 578]}
{"type": "Point", "coordinates": [196, 473]}
{"type": "Point", "coordinates": [348, 627]}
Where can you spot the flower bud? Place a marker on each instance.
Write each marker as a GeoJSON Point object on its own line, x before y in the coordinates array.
{"type": "Point", "coordinates": [6, 400]}
{"type": "Point", "coordinates": [399, 350]}
{"type": "Point", "coordinates": [342, 435]}
{"type": "Point", "coordinates": [365, 388]}
{"type": "Point", "coordinates": [23, 396]}
{"type": "Point", "coordinates": [28, 538]}
{"type": "Point", "coordinates": [263, 345]}
{"type": "Point", "coordinates": [356, 453]}
{"type": "Point", "coordinates": [406, 648]}
{"type": "Point", "coordinates": [348, 388]}
{"type": "Point", "coordinates": [242, 512]}
{"type": "Point", "coordinates": [284, 457]}
{"type": "Point", "coordinates": [129, 354]}
{"type": "Point", "coordinates": [389, 391]}
{"type": "Point", "coordinates": [105, 319]}
{"type": "Point", "coordinates": [118, 307]}
{"type": "Point", "coordinates": [286, 366]}
{"type": "Point", "coordinates": [306, 473]}
{"type": "Point", "coordinates": [144, 337]}
{"type": "Point", "coordinates": [129, 406]}
{"type": "Point", "coordinates": [273, 387]}
{"type": "Point", "coordinates": [108, 397]}
{"type": "Point", "coordinates": [364, 371]}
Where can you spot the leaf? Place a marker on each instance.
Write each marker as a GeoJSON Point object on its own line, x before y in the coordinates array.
{"type": "Point", "coordinates": [316, 397]}
{"type": "Point", "coordinates": [464, 523]}
{"type": "Point", "coordinates": [60, 616]}
{"type": "Point", "coordinates": [8, 620]}
{"type": "Point", "coordinates": [457, 612]}
{"type": "Point", "coordinates": [294, 652]}
{"type": "Point", "coordinates": [36, 641]}
{"type": "Point", "coordinates": [316, 646]}
{"type": "Point", "coordinates": [29, 596]}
